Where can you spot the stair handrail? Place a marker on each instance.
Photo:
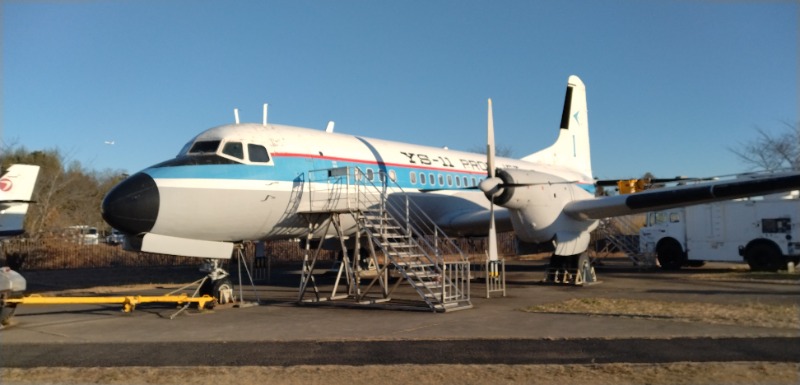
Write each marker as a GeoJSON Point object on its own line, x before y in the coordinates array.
{"type": "Point", "coordinates": [416, 222]}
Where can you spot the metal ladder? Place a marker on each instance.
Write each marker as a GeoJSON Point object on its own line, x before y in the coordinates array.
{"type": "Point", "coordinates": [411, 243]}
{"type": "Point", "coordinates": [623, 233]}
{"type": "Point", "coordinates": [444, 286]}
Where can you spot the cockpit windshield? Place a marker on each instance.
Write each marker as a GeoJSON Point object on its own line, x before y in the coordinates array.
{"type": "Point", "coordinates": [205, 147]}
{"type": "Point", "coordinates": [234, 149]}
{"type": "Point", "coordinates": [206, 152]}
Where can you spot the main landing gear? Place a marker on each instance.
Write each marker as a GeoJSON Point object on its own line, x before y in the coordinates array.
{"type": "Point", "coordinates": [574, 270]}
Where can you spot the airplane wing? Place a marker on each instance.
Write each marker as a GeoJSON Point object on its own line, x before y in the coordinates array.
{"type": "Point", "coordinates": [460, 213]}
{"type": "Point", "coordinates": [670, 197]}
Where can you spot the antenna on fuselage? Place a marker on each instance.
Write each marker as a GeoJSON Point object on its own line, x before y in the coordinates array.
{"type": "Point", "coordinates": [330, 126]}
{"type": "Point", "coordinates": [236, 115]}
{"type": "Point", "coordinates": [265, 114]}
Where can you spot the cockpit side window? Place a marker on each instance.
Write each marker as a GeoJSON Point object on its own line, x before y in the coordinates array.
{"type": "Point", "coordinates": [257, 153]}
{"type": "Point", "coordinates": [205, 147]}
{"type": "Point", "coordinates": [234, 149]}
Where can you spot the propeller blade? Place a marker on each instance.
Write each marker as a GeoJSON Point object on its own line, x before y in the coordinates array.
{"type": "Point", "coordinates": [490, 143]}
{"type": "Point", "coordinates": [489, 185]}
{"type": "Point", "coordinates": [492, 235]}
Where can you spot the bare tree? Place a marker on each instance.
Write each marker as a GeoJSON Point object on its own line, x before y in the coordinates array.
{"type": "Point", "coordinates": [772, 151]}
{"type": "Point", "coordinates": [64, 196]}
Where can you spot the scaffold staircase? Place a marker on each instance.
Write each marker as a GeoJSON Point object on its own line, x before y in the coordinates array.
{"type": "Point", "coordinates": [622, 233]}
{"type": "Point", "coordinates": [412, 245]}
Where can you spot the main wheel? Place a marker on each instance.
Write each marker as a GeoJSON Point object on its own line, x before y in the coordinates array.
{"type": "Point", "coordinates": [221, 290]}
{"type": "Point", "coordinates": [670, 255]}
{"type": "Point", "coordinates": [764, 257]}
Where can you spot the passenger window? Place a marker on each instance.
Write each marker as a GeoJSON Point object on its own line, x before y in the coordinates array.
{"type": "Point", "coordinates": [449, 180]}
{"type": "Point", "coordinates": [466, 182]}
{"type": "Point", "coordinates": [413, 177]}
{"type": "Point", "coordinates": [206, 147]}
{"type": "Point", "coordinates": [257, 153]}
{"type": "Point", "coordinates": [432, 179]}
{"type": "Point", "coordinates": [458, 182]}
{"type": "Point", "coordinates": [392, 175]}
{"type": "Point", "coordinates": [370, 174]}
{"type": "Point", "coordinates": [421, 178]}
{"type": "Point", "coordinates": [441, 180]}
{"type": "Point", "coordinates": [234, 149]}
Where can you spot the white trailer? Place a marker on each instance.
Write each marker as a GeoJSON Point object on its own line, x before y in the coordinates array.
{"type": "Point", "coordinates": [764, 232]}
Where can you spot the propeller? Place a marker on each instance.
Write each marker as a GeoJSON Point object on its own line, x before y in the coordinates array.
{"type": "Point", "coordinates": [490, 185]}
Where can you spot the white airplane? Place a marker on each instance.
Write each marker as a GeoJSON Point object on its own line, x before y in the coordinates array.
{"type": "Point", "coordinates": [16, 190]}
{"type": "Point", "coordinates": [251, 182]}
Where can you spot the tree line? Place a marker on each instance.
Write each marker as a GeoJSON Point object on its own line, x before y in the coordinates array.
{"type": "Point", "coordinates": [66, 193]}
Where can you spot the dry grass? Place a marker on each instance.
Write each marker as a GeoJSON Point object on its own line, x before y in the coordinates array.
{"type": "Point", "coordinates": [746, 314]}
{"type": "Point", "coordinates": [674, 373]}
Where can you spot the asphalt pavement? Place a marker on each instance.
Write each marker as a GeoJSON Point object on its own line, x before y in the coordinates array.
{"type": "Point", "coordinates": [495, 330]}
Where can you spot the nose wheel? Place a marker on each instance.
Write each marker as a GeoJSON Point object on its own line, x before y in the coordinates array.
{"type": "Point", "coordinates": [217, 283]}
{"type": "Point", "coordinates": [220, 289]}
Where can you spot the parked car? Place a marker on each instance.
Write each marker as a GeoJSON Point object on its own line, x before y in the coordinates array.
{"type": "Point", "coordinates": [84, 235]}
{"type": "Point", "coordinates": [115, 238]}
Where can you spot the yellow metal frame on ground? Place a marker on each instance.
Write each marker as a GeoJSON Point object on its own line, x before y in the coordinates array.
{"type": "Point", "coordinates": [129, 302]}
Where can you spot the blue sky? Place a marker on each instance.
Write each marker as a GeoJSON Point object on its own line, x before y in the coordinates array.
{"type": "Point", "coordinates": [671, 85]}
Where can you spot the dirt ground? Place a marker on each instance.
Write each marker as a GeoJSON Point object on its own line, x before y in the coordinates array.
{"type": "Point", "coordinates": [612, 374]}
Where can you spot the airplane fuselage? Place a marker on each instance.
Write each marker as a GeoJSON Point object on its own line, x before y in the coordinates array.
{"type": "Point", "coordinates": [249, 181]}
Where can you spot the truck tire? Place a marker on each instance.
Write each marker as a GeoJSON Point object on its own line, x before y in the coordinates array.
{"type": "Point", "coordinates": [670, 255]}
{"type": "Point", "coordinates": [764, 256]}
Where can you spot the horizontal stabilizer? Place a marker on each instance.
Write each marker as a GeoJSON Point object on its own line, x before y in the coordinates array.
{"type": "Point", "coordinates": [163, 244]}
{"type": "Point", "coordinates": [665, 198]}
{"type": "Point", "coordinates": [16, 190]}
{"type": "Point", "coordinates": [18, 182]}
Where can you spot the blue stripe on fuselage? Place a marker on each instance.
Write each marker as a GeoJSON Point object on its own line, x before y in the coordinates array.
{"type": "Point", "coordinates": [290, 168]}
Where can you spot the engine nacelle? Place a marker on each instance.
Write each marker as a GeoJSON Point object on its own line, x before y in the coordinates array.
{"type": "Point", "coordinates": [536, 201]}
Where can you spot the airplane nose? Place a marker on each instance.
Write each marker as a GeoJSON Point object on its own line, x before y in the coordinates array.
{"type": "Point", "coordinates": [132, 205]}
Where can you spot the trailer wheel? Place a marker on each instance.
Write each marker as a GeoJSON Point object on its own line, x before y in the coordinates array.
{"type": "Point", "coordinates": [670, 255]}
{"type": "Point", "coordinates": [7, 310]}
{"type": "Point", "coordinates": [764, 256]}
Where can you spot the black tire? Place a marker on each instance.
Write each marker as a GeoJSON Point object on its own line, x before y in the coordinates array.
{"type": "Point", "coordinates": [670, 255]}
{"type": "Point", "coordinates": [764, 256]}
{"type": "Point", "coordinates": [7, 310]}
{"type": "Point", "coordinates": [215, 289]}
{"type": "Point", "coordinates": [558, 261]}
{"type": "Point", "coordinates": [696, 263]}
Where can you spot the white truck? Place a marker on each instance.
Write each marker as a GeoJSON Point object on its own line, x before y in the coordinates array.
{"type": "Point", "coordinates": [764, 232]}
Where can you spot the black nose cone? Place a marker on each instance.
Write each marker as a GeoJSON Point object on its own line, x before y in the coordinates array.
{"type": "Point", "coordinates": [132, 205]}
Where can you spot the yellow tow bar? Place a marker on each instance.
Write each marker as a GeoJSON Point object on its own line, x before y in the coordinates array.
{"type": "Point", "coordinates": [128, 302]}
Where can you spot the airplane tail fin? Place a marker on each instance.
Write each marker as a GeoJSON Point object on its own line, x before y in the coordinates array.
{"type": "Point", "coordinates": [16, 190]}
{"type": "Point", "coordinates": [571, 149]}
